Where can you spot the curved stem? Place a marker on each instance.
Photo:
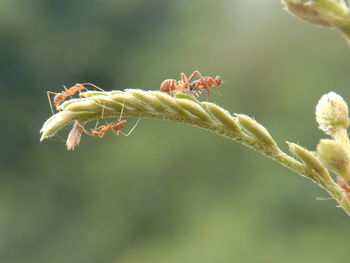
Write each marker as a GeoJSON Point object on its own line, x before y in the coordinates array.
{"type": "Point", "coordinates": [345, 30]}
{"type": "Point", "coordinates": [184, 109]}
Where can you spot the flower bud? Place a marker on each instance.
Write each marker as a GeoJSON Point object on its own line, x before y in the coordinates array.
{"type": "Point", "coordinates": [309, 159]}
{"type": "Point", "coordinates": [332, 113]}
{"type": "Point", "coordinates": [258, 131]}
{"type": "Point", "coordinates": [334, 157]}
{"type": "Point", "coordinates": [332, 13]}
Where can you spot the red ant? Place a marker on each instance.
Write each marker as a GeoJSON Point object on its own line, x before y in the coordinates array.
{"type": "Point", "coordinates": [344, 185]}
{"type": "Point", "coordinates": [61, 96]}
{"type": "Point", "coordinates": [193, 89]}
{"type": "Point", "coordinates": [170, 85]}
{"type": "Point", "coordinates": [197, 86]}
{"type": "Point", "coordinates": [115, 126]}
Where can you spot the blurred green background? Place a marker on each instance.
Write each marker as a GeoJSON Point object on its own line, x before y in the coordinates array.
{"type": "Point", "coordinates": [169, 192]}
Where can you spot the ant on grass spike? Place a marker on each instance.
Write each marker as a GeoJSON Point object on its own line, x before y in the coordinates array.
{"type": "Point", "coordinates": [344, 185]}
{"type": "Point", "coordinates": [61, 96]}
{"type": "Point", "coordinates": [115, 126]}
{"type": "Point", "coordinates": [77, 130]}
{"type": "Point", "coordinates": [171, 85]}
{"type": "Point", "coordinates": [205, 83]}
{"type": "Point", "coordinates": [185, 85]}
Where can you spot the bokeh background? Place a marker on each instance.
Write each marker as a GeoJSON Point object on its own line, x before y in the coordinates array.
{"type": "Point", "coordinates": [169, 192]}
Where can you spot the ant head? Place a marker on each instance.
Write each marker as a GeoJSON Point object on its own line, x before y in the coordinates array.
{"type": "Point", "coordinates": [218, 81]}
{"type": "Point", "coordinates": [119, 125]}
{"type": "Point", "coordinates": [95, 133]}
{"type": "Point", "coordinates": [79, 86]}
{"type": "Point", "coordinates": [168, 85]}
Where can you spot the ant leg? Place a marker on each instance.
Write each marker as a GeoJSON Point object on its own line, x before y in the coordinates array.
{"type": "Point", "coordinates": [65, 88]}
{"type": "Point", "coordinates": [101, 135]}
{"type": "Point", "coordinates": [116, 132]}
{"type": "Point", "coordinates": [127, 134]}
{"type": "Point", "coordinates": [194, 73]}
{"type": "Point", "coordinates": [217, 92]}
{"type": "Point", "coordinates": [185, 80]}
{"type": "Point", "coordinates": [120, 118]}
{"type": "Point", "coordinates": [204, 83]}
{"type": "Point", "coordinates": [200, 76]}
{"type": "Point", "coordinates": [208, 94]}
{"type": "Point", "coordinates": [99, 127]}
{"type": "Point", "coordinates": [121, 111]}
{"type": "Point", "coordinates": [48, 97]}
{"type": "Point", "coordinates": [103, 110]}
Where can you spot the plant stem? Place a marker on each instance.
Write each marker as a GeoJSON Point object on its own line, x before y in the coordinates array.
{"type": "Point", "coordinates": [345, 30]}
{"type": "Point", "coordinates": [184, 109]}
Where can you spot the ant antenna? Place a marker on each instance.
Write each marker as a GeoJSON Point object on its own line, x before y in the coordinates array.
{"type": "Point", "coordinates": [92, 85]}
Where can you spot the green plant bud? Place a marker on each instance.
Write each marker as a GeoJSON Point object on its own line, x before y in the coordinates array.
{"type": "Point", "coordinates": [257, 130]}
{"type": "Point", "coordinates": [332, 113]}
{"type": "Point", "coordinates": [331, 13]}
{"type": "Point", "coordinates": [334, 157]}
{"type": "Point", "coordinates": [223, 116]}
{"type": "Point", "coordinates": [308, 158]}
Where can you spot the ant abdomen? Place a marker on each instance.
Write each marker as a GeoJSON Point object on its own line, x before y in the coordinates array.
{"type": "Point", "coordinates": [168, 85]}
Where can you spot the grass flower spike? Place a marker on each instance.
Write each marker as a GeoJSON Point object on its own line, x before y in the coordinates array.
{"type": "Point", "coordinates": [331, 114]}
{"type": "Point", "coordinates": [329, 13]}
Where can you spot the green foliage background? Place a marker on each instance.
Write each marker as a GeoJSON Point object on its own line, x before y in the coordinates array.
{"type": "Point", "coordinates": [167, 193]}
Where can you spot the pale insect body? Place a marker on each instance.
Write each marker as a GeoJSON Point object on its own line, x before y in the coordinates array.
{"type": "Point", "coordinates": [74, 136]}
